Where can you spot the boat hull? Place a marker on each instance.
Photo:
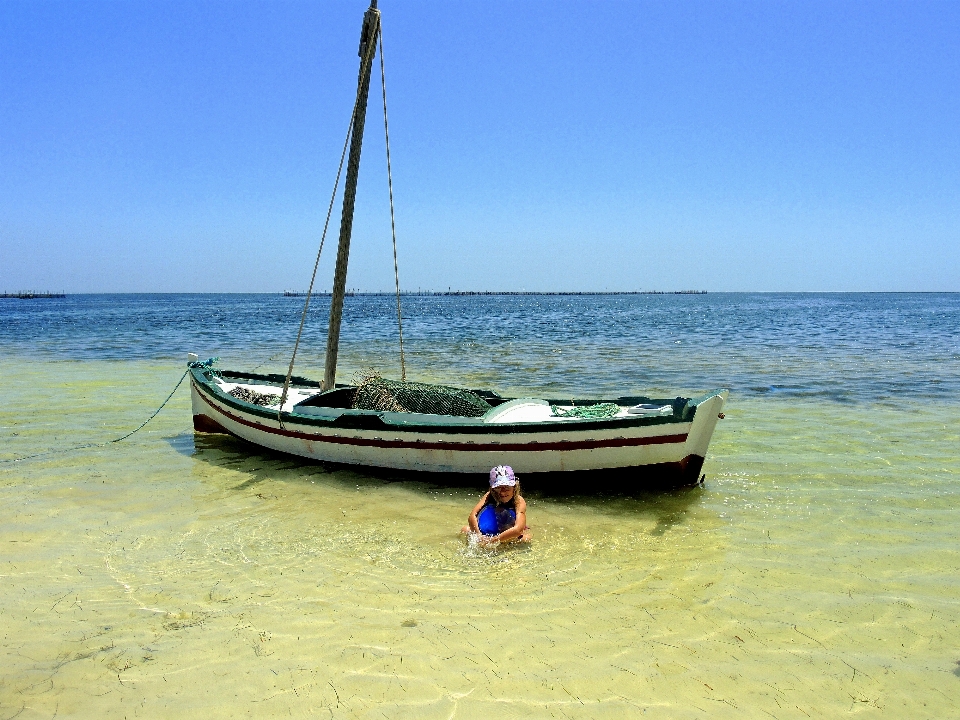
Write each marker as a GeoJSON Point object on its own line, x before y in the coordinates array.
{"type": "Point", "coordinates": [364, 439]}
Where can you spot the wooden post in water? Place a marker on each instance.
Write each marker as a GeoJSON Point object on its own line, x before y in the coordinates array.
{"type": "Point", "coordinates": [368, 44]}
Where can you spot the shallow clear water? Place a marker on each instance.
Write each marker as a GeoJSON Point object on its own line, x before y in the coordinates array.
{"type": "Point", "coordinates": [815, 574]}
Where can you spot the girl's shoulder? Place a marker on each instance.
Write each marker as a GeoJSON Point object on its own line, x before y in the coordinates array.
{"type": "Point", "coordinates": [520, 503]}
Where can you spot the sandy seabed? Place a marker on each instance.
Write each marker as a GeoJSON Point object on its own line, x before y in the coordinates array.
{"type": "Point", "coordinates": [816, 574]}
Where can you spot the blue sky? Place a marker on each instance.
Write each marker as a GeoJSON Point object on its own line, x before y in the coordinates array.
{"type": "Point", "coordinates": [180, 147]}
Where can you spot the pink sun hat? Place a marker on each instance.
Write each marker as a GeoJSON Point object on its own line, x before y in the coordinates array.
{"type": "Point", "coordinates": [502, 475]}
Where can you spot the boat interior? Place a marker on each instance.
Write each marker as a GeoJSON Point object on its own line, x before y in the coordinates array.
{"type": "Point", "coordinates": [309, 400]}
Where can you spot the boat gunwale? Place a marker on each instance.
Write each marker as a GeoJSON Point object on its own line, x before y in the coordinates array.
{"type": "Point", "coordinates": [382, 421]}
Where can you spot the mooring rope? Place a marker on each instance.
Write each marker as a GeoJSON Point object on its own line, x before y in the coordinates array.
{"type": "Point", "coordinates": [393, 226]}
{"type": "Point", "coordinates": [108, 442]}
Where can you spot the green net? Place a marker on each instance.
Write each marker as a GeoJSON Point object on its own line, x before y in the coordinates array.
{"type": "Point", "coordinates": [376, 393]}
{"type": "Point", "coordinates": [601, 410]}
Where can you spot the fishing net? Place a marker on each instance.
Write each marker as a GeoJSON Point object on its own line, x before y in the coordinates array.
{"type": "Point", "coordinates": [587, 412]}
{"type": "Point", "coordinates": [252, 396]}
{"type": "Point", "coordinates": [377, 393]}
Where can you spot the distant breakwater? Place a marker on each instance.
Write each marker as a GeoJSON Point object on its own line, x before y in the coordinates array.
{"type": "Point", "coordinates": [32, 295]}
{"type": "Point", "coordinates": [460, 293]}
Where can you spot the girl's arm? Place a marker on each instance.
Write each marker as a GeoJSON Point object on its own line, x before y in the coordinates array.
{"type": "Point", "coordinates": [472, 520]}
{"type": "Point", "coordinates": [517, 530]}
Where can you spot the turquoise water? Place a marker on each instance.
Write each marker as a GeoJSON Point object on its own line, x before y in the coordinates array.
{"type": "Point", "coordinates": [814, 574]}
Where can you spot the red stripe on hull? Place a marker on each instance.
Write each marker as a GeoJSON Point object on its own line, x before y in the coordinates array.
{"type": "Point", "coordinates": [532, 446]}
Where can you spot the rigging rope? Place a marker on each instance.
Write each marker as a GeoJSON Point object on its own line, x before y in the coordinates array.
{"type": "Point", "coordinates": [393, 227]}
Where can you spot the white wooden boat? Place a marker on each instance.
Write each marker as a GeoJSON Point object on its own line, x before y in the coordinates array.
{"type": "Point", "coordinates": [665, 439]}
{"type": "Point", "coordinates": [642, 437]}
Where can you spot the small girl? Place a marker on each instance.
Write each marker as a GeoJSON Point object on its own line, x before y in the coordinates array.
{"type": "Point", "coordinates": [501, 514]}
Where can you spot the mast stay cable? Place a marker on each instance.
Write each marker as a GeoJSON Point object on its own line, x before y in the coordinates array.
{"type": "Point", "coordinates": [366, 59]}
{"type": "Point", "coordinates": [306, 305]}
{"type": "Point", "coordinates": [368, 47]}
{"type": "Point", "coordinates": [393, 226]}
{"type": "Point", "coordinates": [313, 277]}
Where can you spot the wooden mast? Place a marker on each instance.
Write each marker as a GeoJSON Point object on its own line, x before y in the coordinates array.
{"type": "Point", "coordinates": [368, 44]}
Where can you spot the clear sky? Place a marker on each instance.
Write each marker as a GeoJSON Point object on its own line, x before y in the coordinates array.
{"type": "Point", "coordinates": [192, 146]}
